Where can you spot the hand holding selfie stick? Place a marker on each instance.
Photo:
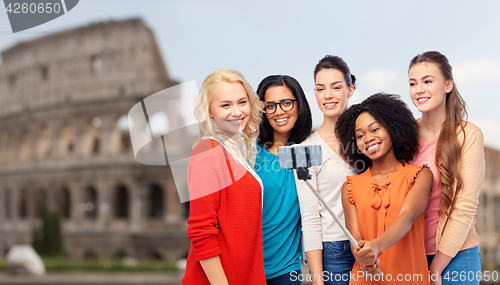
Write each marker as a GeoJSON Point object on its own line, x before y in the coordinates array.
{"type": "Point", "coordinates": [303, 174]}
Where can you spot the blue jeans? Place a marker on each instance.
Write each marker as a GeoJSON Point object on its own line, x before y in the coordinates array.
{"type": "Point", "coordinates": [464, 268]}
{"type": "Point", "coordinates": [286, 279]}
{"type": "Point", "coordinates": [337, 262]}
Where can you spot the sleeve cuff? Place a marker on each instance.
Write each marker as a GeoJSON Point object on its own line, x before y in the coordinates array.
{"type": "Point", "coordinates": [449, 247]}
{"type": "Point", "coordinates": [207, 253]}
{"type": "Point", "coordinates": [312, 246]}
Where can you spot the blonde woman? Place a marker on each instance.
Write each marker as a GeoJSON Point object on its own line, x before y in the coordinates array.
{"type": "Point", "coordinates": [225, 220]}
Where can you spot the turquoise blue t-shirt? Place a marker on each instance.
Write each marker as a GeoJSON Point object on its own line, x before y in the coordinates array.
{"type": "Point", "coordinates": [281, 225]}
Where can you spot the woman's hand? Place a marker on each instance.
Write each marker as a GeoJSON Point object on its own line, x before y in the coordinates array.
{"type": "Point", "coordinates": [438, 265]}
{"type": "Point", "coordinates": [437, 282]}
{"type": "Point", "coordinates": [367, 255]}
{"type": "Point", "coordinates": [434, 271]}
{"type": "Point", "coordinates": [373, 269]}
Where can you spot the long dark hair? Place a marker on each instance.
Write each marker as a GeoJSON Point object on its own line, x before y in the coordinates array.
{"type": "Point", "coordinates": [448, 149]}
{"type": "Point", "coordinates": [303, 125]}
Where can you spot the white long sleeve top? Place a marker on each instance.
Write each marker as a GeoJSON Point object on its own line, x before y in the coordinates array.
{"type": "Point", "coordinates": [317, 224]}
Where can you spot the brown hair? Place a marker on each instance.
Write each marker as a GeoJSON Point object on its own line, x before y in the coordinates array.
{"type": "Point", "coordinates": [335, 62]}
{"type": "Point", "coordinates": [449, 149]}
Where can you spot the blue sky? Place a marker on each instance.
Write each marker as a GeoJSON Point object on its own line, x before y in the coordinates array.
{"type": "Point", "coordinates": [259, 38]}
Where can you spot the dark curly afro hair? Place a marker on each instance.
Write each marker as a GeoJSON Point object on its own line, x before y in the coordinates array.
{"type": "Point", "coordinates": [392, 113]}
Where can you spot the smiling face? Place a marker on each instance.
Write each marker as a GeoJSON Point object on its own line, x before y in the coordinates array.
{"type": "Point", "coordinates": [428, 87]}
{"type": "Point", "coordinates": [282, 122]}
{"type": "Point", "coordinates": [230, 107]}
{"type": "Point", "coordinates": [332, 92]}
{"type": "Point", "coordinates": [372, 139]}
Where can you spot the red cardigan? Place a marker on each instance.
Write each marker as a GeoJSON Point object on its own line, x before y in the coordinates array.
{"type": "Point", "coordinates": [225, 216]}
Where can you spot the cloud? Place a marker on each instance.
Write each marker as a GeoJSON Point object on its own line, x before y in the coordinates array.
{"type": "Point", "coordinates": [379, 79]}
{"type": "Point", "coordinates": [471, 72]}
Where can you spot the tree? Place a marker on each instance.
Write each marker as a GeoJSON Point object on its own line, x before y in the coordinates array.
{"type": "Point", "coordinates": [47, 239]}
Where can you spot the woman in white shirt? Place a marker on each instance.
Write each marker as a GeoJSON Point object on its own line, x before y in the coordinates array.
{"type": "Point", "coordinates": [327, 248]}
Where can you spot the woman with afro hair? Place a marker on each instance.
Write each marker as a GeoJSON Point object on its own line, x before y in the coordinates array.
{"type": "Point", "coordinates": [384, 204]}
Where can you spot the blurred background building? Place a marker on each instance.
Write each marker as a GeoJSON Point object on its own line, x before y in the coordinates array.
{"type": "Point", "coordinates": [64, 142]}
{"type": "Point", "coordinates": [488, 212]}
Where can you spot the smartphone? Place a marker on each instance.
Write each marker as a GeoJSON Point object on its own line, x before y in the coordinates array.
{"type": "Point", "coordinates": [298, 155]}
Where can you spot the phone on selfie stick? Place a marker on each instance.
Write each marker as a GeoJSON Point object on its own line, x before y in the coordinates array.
{"type": "Point", "coordinates": [300, 158]}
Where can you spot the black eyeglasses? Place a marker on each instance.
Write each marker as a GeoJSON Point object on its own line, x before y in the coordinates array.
{"type": "Point", "coordinates": [285, 105]}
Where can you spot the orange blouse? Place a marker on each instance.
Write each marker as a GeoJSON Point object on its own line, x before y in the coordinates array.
{"type": "Point", "coordinates": [377, 206]}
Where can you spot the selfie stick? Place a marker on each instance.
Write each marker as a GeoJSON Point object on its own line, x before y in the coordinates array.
{"type": "Point", "coordinates": [303, 174]}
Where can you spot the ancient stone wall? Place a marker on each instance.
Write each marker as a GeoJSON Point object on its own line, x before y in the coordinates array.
{"type": "Point", "coordinates": [64, 142]}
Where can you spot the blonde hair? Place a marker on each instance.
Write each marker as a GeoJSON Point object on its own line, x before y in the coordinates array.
{"type": "Point", "coordinates": [207, 126]}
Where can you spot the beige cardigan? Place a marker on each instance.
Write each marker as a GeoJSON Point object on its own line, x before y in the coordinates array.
{"type": "Point", "coordinates": [460, 232]}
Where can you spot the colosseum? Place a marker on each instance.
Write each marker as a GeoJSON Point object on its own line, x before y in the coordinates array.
{"type": "Point", "coordinates": [64, 142]}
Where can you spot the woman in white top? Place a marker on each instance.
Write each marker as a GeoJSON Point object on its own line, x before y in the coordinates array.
{"type": "Point", "coordinates": [327, 248]}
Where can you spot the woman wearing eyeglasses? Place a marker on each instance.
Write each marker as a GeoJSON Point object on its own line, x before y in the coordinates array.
{"type": "Point", "coordinates": [287, 120]}
{"type": "Point", "coordinates": [326, 246]}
